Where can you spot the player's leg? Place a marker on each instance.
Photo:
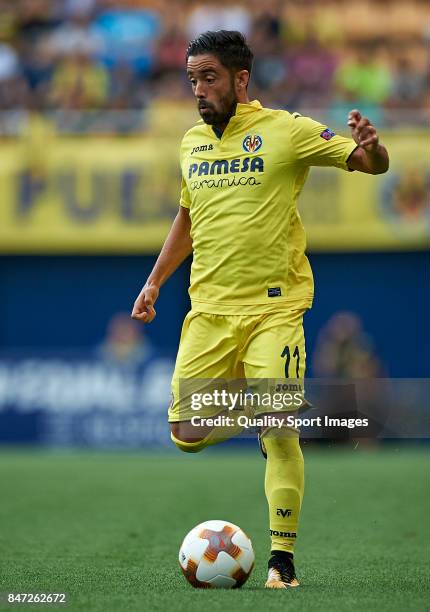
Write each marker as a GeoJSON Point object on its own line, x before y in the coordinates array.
{"type": "Point", "coordinates": [284, 485]}
{"type": "Point", "coordinates": [207, 356]}
{"type": "Point", "coordinates": [276, 350]}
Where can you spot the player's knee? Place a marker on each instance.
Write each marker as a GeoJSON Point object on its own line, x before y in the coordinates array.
{"type": "Point", "coordinates": [186, 442]}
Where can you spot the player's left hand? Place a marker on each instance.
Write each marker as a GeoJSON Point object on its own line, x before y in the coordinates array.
{"type": "Point", "coordinates": [362, 131]}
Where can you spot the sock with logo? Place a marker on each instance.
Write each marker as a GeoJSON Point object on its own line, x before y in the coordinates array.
{"type": "Point", "coordinates": [284, 485]}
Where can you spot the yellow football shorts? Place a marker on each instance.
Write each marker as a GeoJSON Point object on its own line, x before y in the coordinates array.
{"type": "Point", "coordinates": [240, 349]}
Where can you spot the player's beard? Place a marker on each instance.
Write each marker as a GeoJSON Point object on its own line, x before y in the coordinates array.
{"type": "Point", "coordinates": [219, 114]}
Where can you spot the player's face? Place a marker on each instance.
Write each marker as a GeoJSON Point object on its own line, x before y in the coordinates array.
{"type": "Point", "coordinates": [213, 87]}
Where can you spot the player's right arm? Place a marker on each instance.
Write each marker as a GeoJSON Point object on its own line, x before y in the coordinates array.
{"type": "Point", "coordinates": [176, 248]}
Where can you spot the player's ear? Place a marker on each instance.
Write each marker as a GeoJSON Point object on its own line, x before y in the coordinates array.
{"type": "Point", "coordinates": [241, 80]}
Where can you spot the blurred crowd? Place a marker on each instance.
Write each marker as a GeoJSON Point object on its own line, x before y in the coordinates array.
{"type": "Point", "coordinates": [67, 56]}
{"type": "Point", "coordinates": [345, 351]}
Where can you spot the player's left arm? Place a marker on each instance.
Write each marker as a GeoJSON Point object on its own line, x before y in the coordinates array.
{"type": "Point", "coordinates": [370, 156]}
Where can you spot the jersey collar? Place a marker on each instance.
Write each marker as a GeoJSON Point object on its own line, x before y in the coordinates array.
{"type": "Point", "coordinates": [249, 107]}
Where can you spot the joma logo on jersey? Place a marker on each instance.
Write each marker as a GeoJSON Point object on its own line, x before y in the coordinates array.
{"type": "Point", "coordinates": [252, 143]}
{"type": "Point", "coordinates": [224, 166]}
{"type": "Point", "coordinates": [208, 147]}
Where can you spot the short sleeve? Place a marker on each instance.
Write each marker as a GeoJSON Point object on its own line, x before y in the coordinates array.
{"type": "Point", "coordinates": [185, 195]}
{"type": "Point", "coordinates": [317, 145]}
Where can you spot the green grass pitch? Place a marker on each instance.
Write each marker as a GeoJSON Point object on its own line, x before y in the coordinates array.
{"type": "Point", "coordinates": [106, 528]}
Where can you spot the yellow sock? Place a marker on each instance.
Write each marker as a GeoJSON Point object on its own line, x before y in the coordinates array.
{"type": "Point", "coordinates": [284, 485]}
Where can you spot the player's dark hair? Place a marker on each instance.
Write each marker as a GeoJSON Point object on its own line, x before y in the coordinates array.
{"type": "Point", "coordinates": [228, 46]}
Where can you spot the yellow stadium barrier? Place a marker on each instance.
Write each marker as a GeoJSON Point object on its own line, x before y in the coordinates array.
{"type": "Point", "coordinates": [119, 195]}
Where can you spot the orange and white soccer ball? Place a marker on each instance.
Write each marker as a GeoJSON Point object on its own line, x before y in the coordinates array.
{"type": "Point", "coordinates": [216, 554]}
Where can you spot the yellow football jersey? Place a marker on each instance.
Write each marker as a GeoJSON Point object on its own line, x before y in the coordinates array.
{"type": "Point", "coordinates": [242, 189]}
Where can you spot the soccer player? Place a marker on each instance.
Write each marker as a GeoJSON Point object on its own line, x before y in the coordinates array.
{"type": "Point", "coordinates": [243, 167]}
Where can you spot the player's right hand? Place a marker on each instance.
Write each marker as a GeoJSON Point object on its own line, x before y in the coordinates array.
{"type": "Point", "coordinates": [143, 308]}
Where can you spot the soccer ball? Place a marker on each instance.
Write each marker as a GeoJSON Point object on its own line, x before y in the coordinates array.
{"type": "Point", "coordinates": [216, 554]}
